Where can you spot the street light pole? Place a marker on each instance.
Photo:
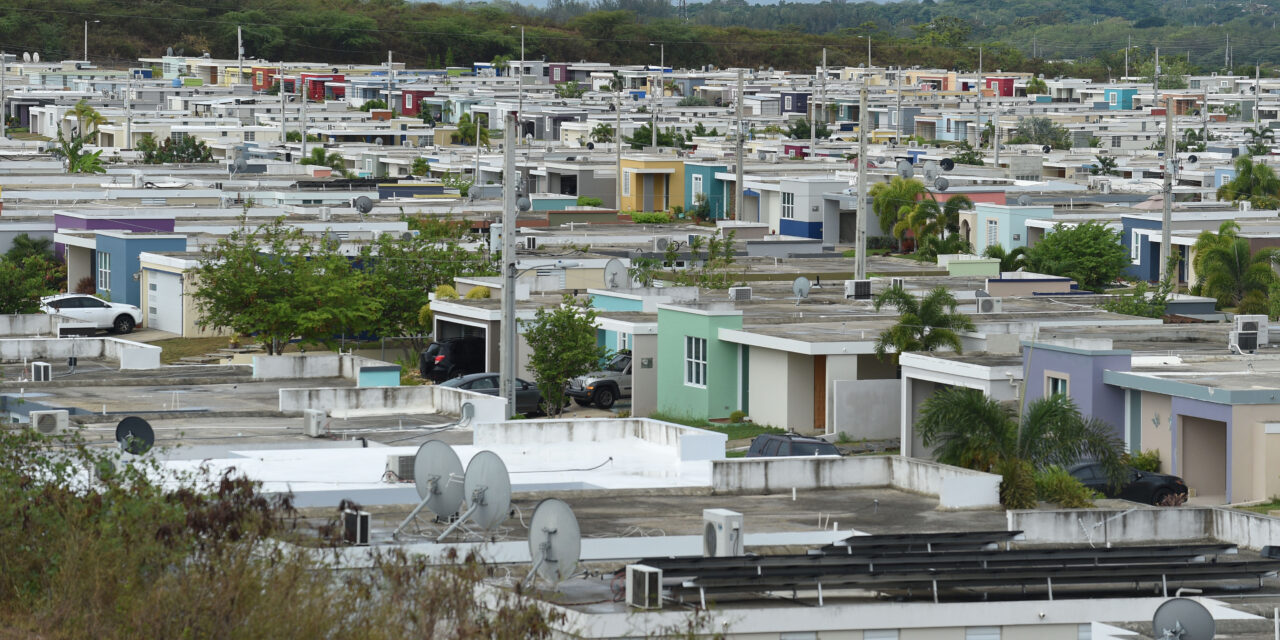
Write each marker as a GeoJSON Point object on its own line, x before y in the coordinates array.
{"type": "Point", "coordinates": [86, 37]}
{"type": "Point", "coordinates": [507, 343]}
{"type": "Point", "coordinates": [520, 97]}
{"type": "Point", "coordinates": [657, 95]}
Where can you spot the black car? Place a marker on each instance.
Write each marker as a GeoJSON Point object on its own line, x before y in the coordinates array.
{"type": "Point", "coordinates": [451, 358]}
{"type": "Point", "coordinates": [789, 444]}
{"type": "Point", "coordinates": [1140, 486]}
{"type": "Point", "coordinates": [528, 397]}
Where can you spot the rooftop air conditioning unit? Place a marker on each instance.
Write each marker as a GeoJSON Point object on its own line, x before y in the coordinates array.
{"type": "Point", "coordinates": [644, 587]}
{"type": "Point", "coordinates": [721, 533]}
{"type": "Point", "coordinates": [355, 527]}
{"type": "Point", "coordinates": [1254, 323]}
{"type": "Point", "coordinates": [400, 467]}
{"type": "Point", "coordinates": [530, 243]}
{"type": "Point", "coordinates": [739, 294]}
{"type": "Point", "coordinates": [900, 283]}
{"type": "Point", "coordinates": [660, 244]}
{"type": "Point", "coordinates": [1244, 341]}
{"type": "Point", "coordinates": [990, 305]}
{"type": "Point", "coordinates": [41, 371]}
{"type": "Point", "coordinates": [315, 423]}
{"type": "Point", "coordinates": [857, 289]}
{"type": "Point", "coordinates": [50, 423]}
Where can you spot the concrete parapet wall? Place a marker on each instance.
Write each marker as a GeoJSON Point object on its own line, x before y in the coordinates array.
{"type": "Point", "coordinates": [29, 324]}
{"type": "Point", "coordinates": [956, 488]}
{"type": "Point", "coordinates": [312, 365]}
{"type": "Point", "coordinates": [130, 355]}
{"type": "Point", "coordinates": [692, 443]}
{"type": "Point", "coordinates": [1147, 525]}
{"type": "Point", "coordinates": [367, 401]}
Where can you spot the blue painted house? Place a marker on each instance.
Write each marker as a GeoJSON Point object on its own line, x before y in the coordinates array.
{"type": "Point", "coordinates": [700, 178]}
{"type": "Point", "coordinates": [998, 224]}
{"type": "Point", "coordinates": [1120, 98]}
{"type": "Point", "coordinates": [116, 261]}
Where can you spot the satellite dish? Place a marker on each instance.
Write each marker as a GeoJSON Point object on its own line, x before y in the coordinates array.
{"type": "Point", "coordinates": [1192, 159]}
{"type": "Point", "coordinates": [1046, 148]}
{"type": "Point", "coordinates": [906, 169]}
{"type": "Point", "coordinates": [437, 472]}
{"type": "Point", "coordinates": [26, 56]}
{"type": "Point", "coordinates": [487, 488]}
{"type": "Point", "coordinates": [1024, 200]}
{"type": "Point", "coordinates": [555, 541]}
{"type": "Point", "coordinates": [947, 164]}
{"type": "Point", "coordinates": [377, 142]}
{"type": "Point", "coordinates": [168, 51]}
{"type": "Point", "coordinates": [134, 435]}
{"type": "Point", "coordinates": [591, 145]}
{"type": "Point", "coordinates": [800, 287]}
{"type": "Point", "coordinates": [941, 184]}
{"type": "Point", "coordinates": [1183, 619]}
{"type": "Point", "coordinates": [615, 275]}
{"type": "Point", "coordinates": [363, 204]}
{"type": "Point", "coordinates": [931, 171]}
{"type": "Point", "coordinates": [35, 56]}
{"type": "Point", "coordinates": [406, 236]}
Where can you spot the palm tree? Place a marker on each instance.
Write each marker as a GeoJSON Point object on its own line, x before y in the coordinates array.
{"type": "Point", "coordinates": [602, 133]}
{"type": "Point", "coordinates": [466, 133]}
{"type": "Point", "coordinates": [1229, 272]}
{"type": "Point", "coordinates": [1011, 260]}
{"type": "Point", "coordinates": [86, 115]}
{"type": "Point", "coordinates": [1037, 85]}
{"type": "Point", "coordinates": [1255, 182]}
{"type": "Point", "coordinates": [322, 158]}
{"type": "Point", "coordinates": [929, 221]}
{"type": "Point", "coordinates": [892, 200]}
{"type": "Point", "coordinates": [969, 429]}
{"type": "Point", "coordinates": [24, 246]}
{"type": "Point", "coordinates": [924, 324]}
{"type": "Point", "coordinates": [1260, 140]}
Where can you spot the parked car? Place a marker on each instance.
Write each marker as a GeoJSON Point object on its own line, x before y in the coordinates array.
{"type": "Point", "coordinates": [113, 316]}
{"type": "Point", "coordinates": [451, 358]}
{"type": "Point", "coordinates": [528, 397]}
{"type": "Point", "coordinates": [603, 388]}
{"type": "Point", "coordinates": [1140, 486]}
{"type": "Point", "coordinates": [772, 445]}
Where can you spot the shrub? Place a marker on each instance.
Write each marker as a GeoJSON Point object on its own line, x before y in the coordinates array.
{"type": "Point", "coordinates": [588, 201]}
{"type": "Point", "coordinates": [1148, 460]}
{"type": "Point", "coordinates": [477, 293]}
{"type": "Point", "coordinates": [86, 285]}
{"type": "Point", "coordinates": [1018, 486]}
{"type": "Point", "coordinates": [1054, 484]}
{"type": "Point", "coordinates": [446, 292]}
{"type": "Point", "coordinates": [650, 217]}
{"type": "Point", "coordinates": [738, 416]}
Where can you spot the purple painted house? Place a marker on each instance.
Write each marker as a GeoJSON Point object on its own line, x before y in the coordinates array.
{"type": "Point", "coordinates": [1077, 374]}
{"type": "Point", "coordinates": [71, 222]}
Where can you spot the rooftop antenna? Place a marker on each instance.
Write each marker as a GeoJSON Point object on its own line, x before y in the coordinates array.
{"type": "Point", "coordinates": [800, 287]}
{"type": "Point", "coordinates": [947, 164]}
{"type": "Point", "coordinates": [363, 205]}
{"type": "Point", "coordinates": [906, 170]}
{"type": "Point", "coordinates": [941, 184]}
{"type": "Point", "coordinates": [437, 475]}
{"type": "Point", "coordinates": [487, 490]}
{"type": "Point", "coordinates": [931, 171]}
{"type": "Point", "coordinates": [1183, 619]}
{"type": "Point", "coordinates": [615, 274]}
{"type": "Point", "coordinates": [1024, 200]}
{"type": "Point", "coordinates": [555, 542]}
{"type": "Point", "coordinates": [135, 436]}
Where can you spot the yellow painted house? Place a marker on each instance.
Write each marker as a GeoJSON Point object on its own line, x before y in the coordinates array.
{"type": "Point", "coordinates": [652, 183]}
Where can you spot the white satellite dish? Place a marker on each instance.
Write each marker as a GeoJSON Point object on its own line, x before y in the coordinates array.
{"type": "Point", "coordinates": [931, 171]}
{"type": "Point", "coordinates": [437, 475]}
{"type": "Point", "coordinates": [26, 56]}
{"type": "Point", "coordinates": [1183, 619]}
{"type": "Point", "coordinates": [800, 288]}
{"type": "Point", "coordinates": [615, 275]}
{"type": "Point", "coordinates": [555, 541]}
{"type": "Point", "coordinates": [941, 184]}
{"type": "Point", "coordinates": [906, 169]}
{"type": "Point", "coordinates": [487, 491]}
{"type": "Point", "coordinates": [1024, 200]}
{"type": "Point", "coordinates": [35, 56]}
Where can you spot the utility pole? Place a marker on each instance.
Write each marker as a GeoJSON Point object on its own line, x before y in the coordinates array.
{"type": "Point", "coordinates": [239, 54]}
{"type": "Point", "coordinates": [1126, 57]}
{"type": "Point", "coordinates": [1155, 80]}
{"type": "Point", "coordinates": [897, 75]}
{"type": "Point", "coordinates": [1166, 220]}
{"type": "Point", "coordinates": [391, 82]}
{"type": "Point", "coordinates": [868, 53]}
{"type": "Point", "coordinates": [284, 134]}
{"type": "Point", "coordinates": [739, 196]}
{"type": "Point", "coordinates": [977, 128]}
{"type": "Point", "coordinates": [128, 113]}
{"type": "Point", "coordinates": [520, 90]}
{"type": "Point", "coordinates": [507, 346]}
{"type": "Point", "coordinates": [1257, 95]}
{"type": "Point", "coordinates": [302, 114]}
{"type": "Point", "coordinates": [656, 98]}
{"type": "Point", "coordinates": [4, 110]}
{"type": "Point", "coordinates": [475, 177]}
{"type": "Point", "coordinates": [860, 227]}
{"type": "Point", "coordinates": [617, 146]}
{"type": "Point", "coordinates": [995, 131]}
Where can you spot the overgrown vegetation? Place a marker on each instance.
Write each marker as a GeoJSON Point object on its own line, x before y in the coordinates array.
{"type": "Point", "coordinates": [562, 345]}
{"type": "Point", "coordinates": [1089, 253]}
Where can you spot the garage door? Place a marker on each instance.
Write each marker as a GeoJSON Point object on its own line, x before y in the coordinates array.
{"type": "Point", "coordinates": [164, 301]}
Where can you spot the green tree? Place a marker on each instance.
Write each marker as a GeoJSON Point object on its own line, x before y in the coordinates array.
{"type": "Point", "coordinates": [322, 158]}
{"type": "Point", "coordinates": [1106, 166]}
{"type": "Point", "coordinates": [966, 154]}
{"type": "Point", "coordinates": [692, 101]}
{"type": "Point", "coordinates": [77, 159]}
{"type": "Point", "coordinates": [799, 129]}
{"type": "Point", "coordinates": [376, 103]}
{"type": "Point", "coordinates": [1144, 301]}
{"type": "Point", "coordinates": [924, 324]}
{"type": "Point", "coordinates": [1041, 131]}
{"type": "Point", "coordinates": [403, 269]}
{"type": "Point", "coordinates": [1037, 86]}
{"type": "Point", "coordinates": [602, 133]}
{"type": "Point", "coordinates": [892, 200]}
{"type": "Point", "coordinates": [929, 221]}
{"type": "Point", "coordinates": [1089, 253]}
{"type": "Point", "coordinates": [466, 132]}
{"type": "Point", "coordinates": [1011, 260]}
{"type": "Point", "coordinates": [1229, 271]}
{"type": "Point", "coordinates": [24, 246]}
{"type": "Point", "coordinates": [420, 167]}
{"type": "Point", "coordinates": [24, 280]}
{"type": "Point", "coordinates": [276, 282]}
{"type": "Point", "coordinates": [1255, 182]}
{"type": "Point", "coordinates": [562, 345]}
{"type": "Point", "coordinates": [1260, 140]}
{"type": "Point", "coordinates": [570, 90]}
{"type": "Point", "coordinates": [969, 429]}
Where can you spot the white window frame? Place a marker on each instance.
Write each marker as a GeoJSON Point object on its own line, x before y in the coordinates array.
{"type": "Point", "coordinates": [1054, 379]}
{"type": "Point", "coordinates": [624, 341]}
{"type": "Point", "coordinates": [104, 271]}
{"type": "Point", "coordinates": [695, 362]}
{"type": "Point", "coordinates": [788, 205]}
{"type": "Point", "coordinates": [626, 182]}
{"type": "Point", "coordinates": [993, 232]}
{"type": "Point", "coordinates": [1135, 246]}
{"type": "Point", "coordinates": [1114, 98]}
{"type": "Point", "coordinates": [697, 184]}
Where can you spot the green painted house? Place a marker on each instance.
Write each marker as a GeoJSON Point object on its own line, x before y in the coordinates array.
{"type": "Point", "coordinates": [698, 373]}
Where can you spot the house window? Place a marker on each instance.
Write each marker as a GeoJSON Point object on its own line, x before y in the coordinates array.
{"type": "Point", "coordinates": [1115, 141]}
{"type": "Point", "coordinates": [1056, 383]}
{"type": "Point", "coordinates": [626, 182]}
{"type": "Point", "coordinates": [993, 232]}
{"type": "Point", "coordinates": [259, 83]}
{"type": "Point", "coordinates": [1135, 246]}
{"type": "Point", "coordinates": [697, 185]}
{"type": "Point", "coordinates": [786, 103]}
{"type": "Point", "coordinates": [788, 205]}
{"type": "Point", "coordinates": [408, 101]}
{"type": "Point", "coordinates": [1114, 98]}
{"type": "Point", "coordinates": [249, 136]}
{"type": "Point", "coordinates": [104, 271]}
{"type": "Point", "coordinates": [624, 341]}
{"type": "Point", "coordinates": [695, 362]}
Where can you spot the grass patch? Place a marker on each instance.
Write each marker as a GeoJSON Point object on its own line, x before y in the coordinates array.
{"type": "Point", "coordinates": [735, 454]}
{"type": "Point", "coordinates": [735, 431]}
{"type": "Point", "coordinates": [1263, 508]}
{"type": "Point", "coordinates": [177, 348]}
{"type": "Point", "coordinates": [853, 253]}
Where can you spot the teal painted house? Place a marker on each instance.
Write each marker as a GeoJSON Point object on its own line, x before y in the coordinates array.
{"type": "Point", "coordinates": [700, 177]}
{"type": "Point", "coordinates": [698, 373]}
{"type": "Point", "coordinates": [1120, 98]}
{"type": "Point", "coordinates": [998, 224]}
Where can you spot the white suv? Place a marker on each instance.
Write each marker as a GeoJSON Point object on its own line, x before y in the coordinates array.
{"type": "Point", "coordinates": [119, 318]}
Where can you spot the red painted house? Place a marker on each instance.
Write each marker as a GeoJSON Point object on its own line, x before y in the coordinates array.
{"type": "Point", "coordinates": [315, 83]}
{"type": "Point", "coordinates": [265, 77]}
{"type": "Point", "coordinates": [411, 100]}
{"type": "Point", "coordinates": [1002, 87]}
